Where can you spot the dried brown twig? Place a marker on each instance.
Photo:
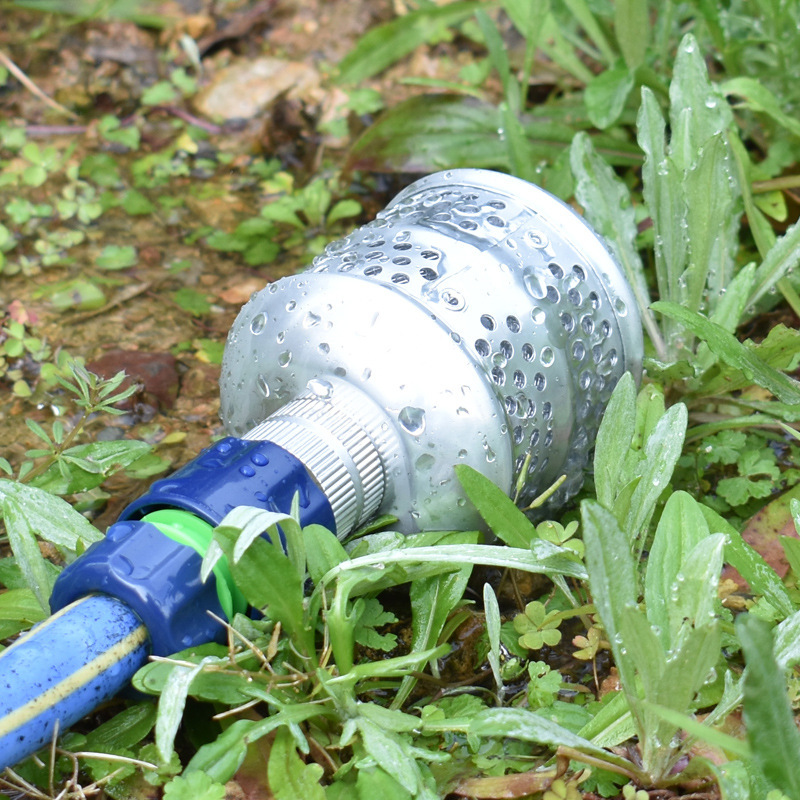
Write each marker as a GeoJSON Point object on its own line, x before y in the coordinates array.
{"type": "Point", "coordinates": [32, 87]}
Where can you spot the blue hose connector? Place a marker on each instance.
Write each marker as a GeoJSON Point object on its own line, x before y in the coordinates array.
{"type": "Point", "coordinates": [238, 472]}
{"type": "Point", "coordinates": [158, 577]}
{"type": "Point", "coordinates": [138, 591]}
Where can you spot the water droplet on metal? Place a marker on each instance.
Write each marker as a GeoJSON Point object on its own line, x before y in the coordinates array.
{"type": "Point", "coordinates": [258, 323]}
{"type": "Point", "coordinates": [412, 420]}
{"type": "Point", "coordinates": [321, 388]}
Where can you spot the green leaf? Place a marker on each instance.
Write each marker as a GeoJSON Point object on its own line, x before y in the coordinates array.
{"type": "Point", "coordinates": [612, 577]}
{"type": "Point", "coordinates": [771, 732]}
{"type": "Point", "coordinates": [136, 204]}
{"type": "Point", "coordinates": [111, 130]}
{"type": "Point", "coordinates": [632, 26]}
{"type": "Point", "coordinates": [518, 723]}
{"type": "Point", "coordinates": [220, 759]}
{"type": "Point", "coordinates": [787, 641]}
{"type": "Point", "coordinates": [581, 11]}
{"type": "Point", "coordinates": [606, 95]}
{"type": "Point", "coordinates": [211, 685]}
{"type": "Point", "coordinates": [171, 706]}
{"type": "Point", "coordinates": [124, 730]}
{"type": "Point", "coordinates": [698, 730]}
{"type": "Point", "coordinates": [115, 256]}
{"type": "Point", "coordinates": [290, 778]}
{"type": "Point", "coordinates": [192, 301]}
{"type": "Point", "coordinates": [499, 512]}
{"type": "Point", "coordinates": [344, 209]}
{"type": "Point", "coordinates": [19, 610]}
{"type": "Point", "coordinates": [88, 465]}
{"type": "Point", "coordinates": [269, 580]}
{"type": "Point", "coordinates": [694, 591]}
{"type": "Point", "coordinates": [390, 754]}
{"type": "Point", "coordinates": [697, 110]}
{"type": "Point", "coordinates": [372, 572]}
{"type": "Point", "coordinates": [53, 519]}
{"type": "Point", "coordinates": [389, 719]}
{"type": "Point", "coordinates": [712, 197]}
{"type": "Point", "coordinates": [433, 131]}
{"type": "Point", "coordinates": [388, 43]}
{"type": "Point", "coordinates": [760, 98]}
{"type": "Point", "coordinates": [195, 786]}
{"type": "Point", "coordinates": [661, 452]}
{"type": "Point", "coordinates": [607, 205]}
{"type": "Point", "coordinates": [76, 295]}
{"type": "Point", "coordinates": [492, 611]}
{"type": "Point", "coordinates": [613, 441]}
{"type": "Point", "coordinates": [159, 94]}
{"type": "Point", "coordinates": [779, 260]}
{"type": "Point", "coordinates": [323, 551]}
{"type": "Point", "coordinates": [373, 615]}
{"type": "Point", "coordinates": [733, 352]}
{"type": "Point", "coordinates": [681, 528]}
{"type": "Point", "coordinates": [761, 578]}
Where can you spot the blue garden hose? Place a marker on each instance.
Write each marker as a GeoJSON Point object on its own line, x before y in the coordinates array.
{"type": "Point", "coordinates": [138, 591]}
{"type": "Point", "coordinates": [78, 658]}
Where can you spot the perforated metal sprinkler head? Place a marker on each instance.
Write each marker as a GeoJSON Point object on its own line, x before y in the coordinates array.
{"type": "Point", "coordinates": [477, 320]}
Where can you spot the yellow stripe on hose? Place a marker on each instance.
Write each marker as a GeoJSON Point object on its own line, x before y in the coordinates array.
{"type": "Point", "coordinates": [71, 684]}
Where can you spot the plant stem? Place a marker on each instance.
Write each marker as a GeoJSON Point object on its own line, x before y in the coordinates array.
{"type": "Point", "coordinates": [776, 184]}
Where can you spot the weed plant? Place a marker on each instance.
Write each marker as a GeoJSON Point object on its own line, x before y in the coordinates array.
{"type": "Point", "coordinates": [673, 125]}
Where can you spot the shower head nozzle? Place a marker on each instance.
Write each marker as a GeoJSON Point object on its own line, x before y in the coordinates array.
{"type": "Point", "coordinates": [481, 321]}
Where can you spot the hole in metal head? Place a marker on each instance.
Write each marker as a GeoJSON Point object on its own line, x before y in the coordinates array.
{"type": "Point", "coordinates": [400, 278]}
{"type": "Point", "coordinates": [488, 322]}
{"type": "Point", "coordinates": [512, 323]}
{"type": "Point", "coordinates": [482, 347]}
{"type": "Point", "coordinates": [372, 270]}
{"type": "Point", "coordinates": [428, 274]}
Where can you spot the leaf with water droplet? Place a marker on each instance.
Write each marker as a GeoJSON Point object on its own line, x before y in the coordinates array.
{"type": "Point", "coordinates": [733, 352]}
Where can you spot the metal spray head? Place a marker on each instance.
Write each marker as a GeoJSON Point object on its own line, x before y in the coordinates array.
{"type": "Point", "coordinates": [478, 320]}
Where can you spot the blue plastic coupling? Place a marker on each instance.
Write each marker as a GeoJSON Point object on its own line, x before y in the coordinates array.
{"type": "Point", "coordinates": [64, 667]}
{"type": "Point", "coordinates": [149, 561]}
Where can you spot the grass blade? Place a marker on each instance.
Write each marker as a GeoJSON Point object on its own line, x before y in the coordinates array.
{"type": "Point", "coordinates": [383, 46]}
{"type": "Point", "coordinates": [773, 737]}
